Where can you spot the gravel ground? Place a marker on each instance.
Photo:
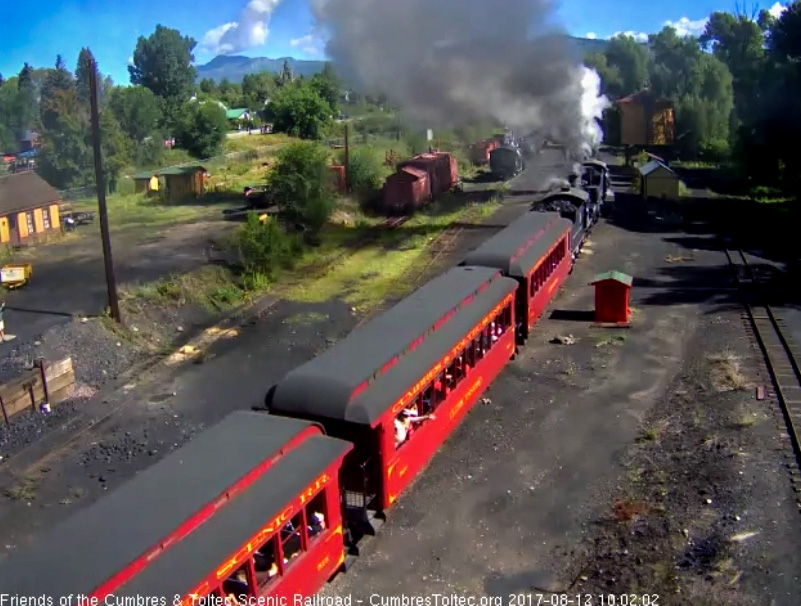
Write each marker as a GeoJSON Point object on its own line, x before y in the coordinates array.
{"type": "Point", "coordinates": [705, 513]}
{"type": "Point", "coordinates": [98, 359]}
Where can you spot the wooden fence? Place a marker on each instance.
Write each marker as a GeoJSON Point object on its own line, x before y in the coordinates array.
{"type": "Point", "coordinates": [47, 383]}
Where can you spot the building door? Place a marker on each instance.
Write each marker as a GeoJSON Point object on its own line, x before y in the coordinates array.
{"type": "Point", "coordinates": [5, 236]}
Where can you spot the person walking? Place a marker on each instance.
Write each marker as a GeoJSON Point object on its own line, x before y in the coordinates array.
{"type": "Point", "coordinates": [2, 321]}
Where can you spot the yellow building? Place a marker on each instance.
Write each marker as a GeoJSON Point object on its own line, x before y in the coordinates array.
{"type": "Point", "coordinates": [29, 208]}
{"type": "Point", "coordinates": [646, 120]}
{"type": "Point", "coordinates": [180, 182]}
{"type": "Point", "coordinates": [658, 181]}
{"type": "Point", "coordinates": [146, 183]}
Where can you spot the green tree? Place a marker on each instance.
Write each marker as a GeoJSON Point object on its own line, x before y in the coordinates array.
{"type": "Point", "coordinates": [257, 89]}
{"type": "Point", "coordinates": [10, 115]}
{"type": "Point", "coordinates": [53, 101]}
{"type": "Point", "coordinates": [739, 43]}
{"type": "Point", "coordinates": [66, 157]}
{"type": "Point", "coordinates": [202, 129]}
{"type": "Point", "coordinates": [163, 62]}
{"type": "Point", "coordinates": [115, 148]}
{"type": "Point", "coordinates": [631, 60]}
{"type": "Point", "coordinates": [264, 247]}
{"type": "Point", "coordinates": [27, 108]}
{"type": "Point", "coordinates": [286, 73]}
{"type": "Point", "coordinates": [137, 111]}
{"type": "Point", "coordinates": [300, 184]}
{"type": "Point", "coordinates": [300, 111]}
{"type": "Point", "coordinates": [326, 84]}
{"type": "Point", "coordinates": [86, 64]}
{"type": "Point", "coordinates": [208, 86]}
{"type": "Point", "coordinates": [611, 80]}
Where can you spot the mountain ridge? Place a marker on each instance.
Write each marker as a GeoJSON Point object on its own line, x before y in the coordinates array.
{"type": "Point", "coordinates": [235, 67]}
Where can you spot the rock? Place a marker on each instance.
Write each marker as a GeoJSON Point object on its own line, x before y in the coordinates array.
{"type": "Point", "coordinates": [179, 329]}
{"type": "Point", "coordinates": [564, 340]}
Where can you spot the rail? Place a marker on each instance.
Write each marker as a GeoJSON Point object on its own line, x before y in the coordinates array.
{"type": "Point", "coordinates": [779, 357]}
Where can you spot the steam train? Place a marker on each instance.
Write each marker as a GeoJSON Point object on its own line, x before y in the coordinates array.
{"type": "Point", "coordinates": [273, 502]}
{"type": "Point", "coordinates": [506, 161]}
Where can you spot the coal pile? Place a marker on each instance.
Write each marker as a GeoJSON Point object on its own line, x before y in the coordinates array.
{"type": "Point", "coordinates": [560, 206]}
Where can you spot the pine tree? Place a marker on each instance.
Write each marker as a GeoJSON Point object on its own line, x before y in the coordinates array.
{"type": "Point", "coordinates": [86, 63]}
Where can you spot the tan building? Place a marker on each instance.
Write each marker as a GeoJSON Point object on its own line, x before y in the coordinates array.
{"type": "Point", "coordinates": [179, 182]}
{"type": "Point", "coordinates": [646, 120]}
{"type": "Point", "coordinates": [658, 181]}
{"type": "Point", "coordinates": [29, 208]}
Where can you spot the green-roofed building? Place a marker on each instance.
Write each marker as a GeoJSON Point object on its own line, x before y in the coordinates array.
{"type": "Point", "coordinates": [238, 115]}
{"type": "Point", "coordinates": [180, 181]}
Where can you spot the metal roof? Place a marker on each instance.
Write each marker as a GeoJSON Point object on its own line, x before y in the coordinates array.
{"type": "Point", "coordinates": [517, 248]}
{"type": "Point", "coordinates": [83, 552]}
{"type": "Point", "coordinates": [169, 171]}
{"type": "Point", "coordinates": [325, 386]}
{"type": "Point", "coordinates": [405, 172]}
{"type": "Point", "coordinates": [23, 191]}
{"type": "Point", "coordinates": [617, 276]}
{"type": "Point", "coordinates": [652, 166]}
{"type": "Point", "coordinates": [182, 568]}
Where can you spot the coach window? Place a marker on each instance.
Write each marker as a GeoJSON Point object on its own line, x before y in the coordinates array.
{"type": "Point", "coordinates": [265, 561]}
{"type": "Point", "coordinates": [292, 539]}
{"type": "Point", "coordinates": [450, 375]}
{"type": "Point", "coordinates": [478, 352]}
{"type": "Point", "coordinates": [316, 516]}
{"type": "Point", "coordinates": [237, 585]}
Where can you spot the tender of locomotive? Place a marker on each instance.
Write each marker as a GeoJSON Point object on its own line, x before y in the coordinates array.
{"type": "Point", "coordinates": [572, 204]}
{"type": "Point", "coordinates": [506, 162]}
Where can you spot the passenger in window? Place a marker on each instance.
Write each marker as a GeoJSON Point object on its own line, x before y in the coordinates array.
{"type": "Point", "coordinates": [316, 524]}
{"type": "Point", "coordinates": [405, 422]}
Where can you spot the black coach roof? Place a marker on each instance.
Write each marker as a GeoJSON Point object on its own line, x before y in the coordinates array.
{"type": "Point", "coordinates": [517, 248]}
{"type": "Point", "coordinates": [83, 552]}
{"type": "Point", "coordinates": [324, 387]}
{"type": "Point", "coordinates": [567, 192]}
{"type": "Point", "coordinates": [182, 568]}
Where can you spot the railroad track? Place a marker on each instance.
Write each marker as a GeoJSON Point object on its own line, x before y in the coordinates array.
{"type": "Point", "coordinates": [441, 245]}
{"type": "Point", "coordinates": [779, 356]}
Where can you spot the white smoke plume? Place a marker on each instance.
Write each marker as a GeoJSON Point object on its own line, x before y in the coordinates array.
{"type": "Point", "coordinates": [250, 31]}
{"type": "Point", "coordinates": [593, 104]}
{"type": "Point", "coordinates": [449, 64]}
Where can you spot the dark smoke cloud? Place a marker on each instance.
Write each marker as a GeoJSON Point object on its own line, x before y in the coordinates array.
{"type": "Point", "coordinates": [450, 63]}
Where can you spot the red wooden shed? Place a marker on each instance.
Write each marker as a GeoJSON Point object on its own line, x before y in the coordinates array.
{"type": "Point", "coordinates": [612, 294]}
{"type": "Point", "coordinates": [406, 190]}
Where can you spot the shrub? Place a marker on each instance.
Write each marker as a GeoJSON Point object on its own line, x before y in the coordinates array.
{"type": "Point", "coordinates": [366, 169]}
{"type": "Point", "coordinates": [265, 247]}
{"type": "Point", "coordinates": [300, 183]}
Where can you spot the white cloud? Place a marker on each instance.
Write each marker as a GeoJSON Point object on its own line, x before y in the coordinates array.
{"type": "Point", "coordinates": [688, 27]}
{"type": "Point", "coordinates": [309, 44]}
{"type": "Point", "coordinates": [638, 36]}
{"type": "Point", "coordinates": [251, 30]}
{"type": "Point", "coordinates": [130, 60]}
{"type": "Point", "coordinates": [590, 36]}
{"type": "Point", "coordinates": [777, 9]}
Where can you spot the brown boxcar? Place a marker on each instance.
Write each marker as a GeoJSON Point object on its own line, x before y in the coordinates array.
{"type": "Point", "coordinates": [406, 190]}
{"type": "Point", "coordinates": [450, 169]}
{"type": "Point", "coordinates": [428, 164]}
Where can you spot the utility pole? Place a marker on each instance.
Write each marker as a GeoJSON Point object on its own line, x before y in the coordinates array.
{"type": "Point", "coordinates": [347, 158]}
{"type": "Point", "coordinates": [113, 301]}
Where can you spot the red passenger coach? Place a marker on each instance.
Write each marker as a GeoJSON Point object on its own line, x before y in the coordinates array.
{"type": "Point", "coordinates": [535, 251]}
{"type": "Point", "coordinates": [432, 354]}
{"type": "Point", "coordinates": [190, 523]}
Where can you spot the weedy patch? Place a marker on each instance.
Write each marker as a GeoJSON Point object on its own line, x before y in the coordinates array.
{"type": "Point", "coordinates": [24, 490]}
{"type": "Point", "coordinates": [626, 510]}
{"type": "Point", "coordinates": [607, 341]}
{"type": "Point", "coordinates": [726, 372]}
{"type": "Point", "coordinates": [304, 318]}
{"type": "Point", "coordinates": [678, 259]}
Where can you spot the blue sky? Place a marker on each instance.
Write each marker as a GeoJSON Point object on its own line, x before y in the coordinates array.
{"type": "Point", "coordinates": [282, 27]}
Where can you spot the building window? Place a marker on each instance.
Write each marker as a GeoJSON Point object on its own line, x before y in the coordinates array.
{"type": "Point", "coordinates": [46, 218]}
{"type": "Point", "coordinates": [31, 226]}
